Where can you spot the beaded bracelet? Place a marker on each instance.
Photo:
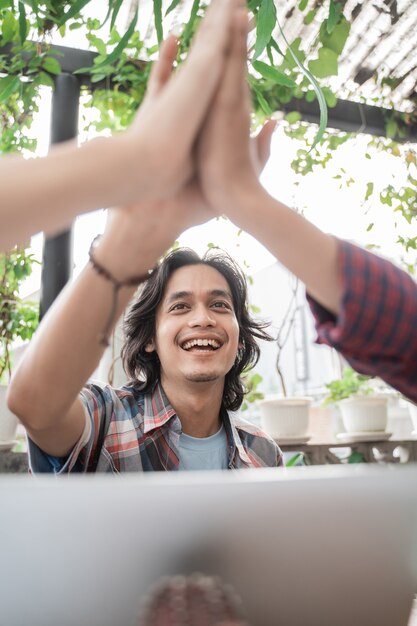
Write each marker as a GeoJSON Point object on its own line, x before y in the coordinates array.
{"type": "Point", "coordinates": [116, 285]}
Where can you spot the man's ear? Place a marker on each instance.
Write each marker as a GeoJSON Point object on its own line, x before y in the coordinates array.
{"type": "Point", "coordinates": [150, 346]}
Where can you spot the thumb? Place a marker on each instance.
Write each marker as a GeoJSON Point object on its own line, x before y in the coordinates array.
{"type": "Point", "coordinates": [162, 68]}
{"type": "Point", "coordinates": [263, 143]}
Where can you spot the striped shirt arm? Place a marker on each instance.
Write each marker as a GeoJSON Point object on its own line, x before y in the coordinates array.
{"type": "Point", "coordinates": [376, 330]}
{"type": "Point", "coordinates": [97, 402]}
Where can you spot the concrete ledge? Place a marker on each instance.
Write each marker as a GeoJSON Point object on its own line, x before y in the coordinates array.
{"type": "Point", "coordinates": [13, 463]}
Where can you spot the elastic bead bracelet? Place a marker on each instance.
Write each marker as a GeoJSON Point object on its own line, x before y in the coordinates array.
{"type": "Point", "coordinates": [116, 285]}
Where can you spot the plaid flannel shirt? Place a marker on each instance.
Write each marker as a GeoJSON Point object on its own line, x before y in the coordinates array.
{"type": "Point", "coordinates": [128, 430]}
{"type": "Point", "coordinates": [376, 330]}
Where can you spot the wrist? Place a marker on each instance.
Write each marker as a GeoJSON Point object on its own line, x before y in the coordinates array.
{"type": "Point", "coordinates": [237, 200]}
{"type": "Point", "coordinates": [120, 259]}
{"type": "Point", "coordinates": [134, 239]}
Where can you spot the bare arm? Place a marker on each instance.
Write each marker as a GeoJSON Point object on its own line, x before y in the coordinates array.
{"type": "Point", "coordinates": [66, 349]}
{"type": "Point", "coordinates": [150, 161]}
{"type": "Point", "coordinates": [47, 193]}
{"type": "Point", "coordinates": [228, 171]}
{"type": "Point", "coordinates": [305, 250]}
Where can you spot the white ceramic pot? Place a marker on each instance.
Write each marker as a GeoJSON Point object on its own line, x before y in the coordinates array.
{"type": "Point", "coordinates": [8, 421]}
{"type": "Point", "coordinates": [285, 417]}
{"type": "Point", "coordinates": [413, 414]}
{"type": "Point", "coordinates": [364, 413]}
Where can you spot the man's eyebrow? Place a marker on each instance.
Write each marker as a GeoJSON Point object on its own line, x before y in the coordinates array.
{"type": "Point", "coordinates": [221, 293]}
{"type": "Point", "coordinates": [178, 295]}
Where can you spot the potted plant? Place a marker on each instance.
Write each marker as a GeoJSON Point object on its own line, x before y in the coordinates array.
{"type": "Point", "coordinates": [284, 417]}
{"type": "Point", "coordinates": [363, 409]}
{"type": "Point", "coordinates": [18, 320]}
{"type": "Point", "coordinates": [412, 409]}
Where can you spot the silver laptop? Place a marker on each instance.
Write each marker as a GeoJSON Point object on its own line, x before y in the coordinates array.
{"type": "Point", "coordinates": [332, 546]}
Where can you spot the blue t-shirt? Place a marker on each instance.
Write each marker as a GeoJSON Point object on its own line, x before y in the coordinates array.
{"type": "Point", "coordinates": [207, 453]}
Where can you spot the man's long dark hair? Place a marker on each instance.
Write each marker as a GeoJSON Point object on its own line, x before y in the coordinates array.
{"type": "Point", "coordinates": [139, 327]}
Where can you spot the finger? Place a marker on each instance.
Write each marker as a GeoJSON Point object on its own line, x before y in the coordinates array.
{"type": "Point", "coordinates": [196, 81]}
{"type": "Point", "coordinates": [162, 68]}
{"type": "Point", "coordinates": [233, 84]}
{"type": "Point", "coordinates": [263, 142]}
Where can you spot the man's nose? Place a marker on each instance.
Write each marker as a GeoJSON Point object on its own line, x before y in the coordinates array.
{"type": "Point", "coordinates": [202, 316]}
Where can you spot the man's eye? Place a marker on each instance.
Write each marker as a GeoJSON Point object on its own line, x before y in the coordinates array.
{"type": "Point", "coordinates": [178, 307]}
{"type": "Point", "coordinates": [221, 305]}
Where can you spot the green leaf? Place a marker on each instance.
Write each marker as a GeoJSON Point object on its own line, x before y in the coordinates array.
{"type": "Point", "coordinates": [44, 79]}
{"type": "Point", "coordinates": [369, 190]}
{"type": "Point", "coordinates": [96, 78]}
{"type": "Point", "coordinates": [320, 96]}
{"type": "Point", "coordinates": [391, 128]}
{"type": "Point", "coordinates": [294, 460]}
{"type": "Point", "coordinates": [116, 8]}
{"type": "Point", "coordinates": [190, 24]}
{"type": "Point", "coordinates": [6, 4]}
{"type": "Point", "coordinates": [325, 65]}
{"type": "Point", "coordinates": [271, 73]}
{"type": "Point", "coordinates": [75, 8]}
{"type": "Point", "coordinates": [275, 46]}
{"type": "Point", "coordinates": [113, 10]}
{"type": "Point", "coordinates": [288, 61]}
{"type": "Point", "coordinates": [356, 457]}
{"type": "Point", "coordinates": [114, 55]}
{"type": "Point", "coordinates": [338, 37]}
{"type": "Point", "coordinates": [265, 23]}
{"type": "Point", "coordinates": [172, 6]}
{"type": "Point", "coordinates": [331, 98]}
{"type": "Point", "coordinates": [370, 227]}
{"type": "Point", "coordinates": [262, 101]}
{"type": "Point", "coordinates": [33, 4]}
{"type": "Point", "coordinates": [335, 11]}
{"type": "Point", "coordinates": [302, 5]}
{"type": "Point", "coordinates": [97, 43]}
{"type": "Point", "coordinates": [23, 27]}
{"type": "Point", "coordinates": [9, 27]}
{"type": "Point", "coordinates": [293, 117]}
{"type": "Point", "coordinates": [310, 17]}
{"type": "Point", "coordinates": [8, 85]}
{"type": "Point", "coordinates": [157, 13]}
{"type": "Point", "coordinates": [51, 65]}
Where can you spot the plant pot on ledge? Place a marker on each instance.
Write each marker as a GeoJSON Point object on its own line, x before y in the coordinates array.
{"type": "Point", "coordinates": [285, 418]}
{"type": "Point", "coordinates": [8, 422]}
{"type": "Point", "coordinates": [364, 413]}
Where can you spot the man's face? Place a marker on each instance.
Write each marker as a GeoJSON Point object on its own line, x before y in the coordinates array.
{"type": "Point", "coordinates": [197, 333]}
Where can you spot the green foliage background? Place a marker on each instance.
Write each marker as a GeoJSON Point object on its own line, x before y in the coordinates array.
{"type": "Point", "coordinates": [280, 70]}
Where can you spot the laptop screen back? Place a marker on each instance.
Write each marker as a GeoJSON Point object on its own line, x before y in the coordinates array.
{"type": "Point", "coordinates": [317, 546]}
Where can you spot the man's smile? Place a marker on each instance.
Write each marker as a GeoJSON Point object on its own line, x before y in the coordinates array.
{"type": "Point", "coordinates": [201, 345]}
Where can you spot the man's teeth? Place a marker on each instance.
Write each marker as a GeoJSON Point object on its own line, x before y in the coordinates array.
{"type": "Point", "coordinates": [201, 343]}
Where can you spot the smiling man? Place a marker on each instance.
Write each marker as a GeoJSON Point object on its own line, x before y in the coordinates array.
{"type": "Point", "coordinates": [189, 336]}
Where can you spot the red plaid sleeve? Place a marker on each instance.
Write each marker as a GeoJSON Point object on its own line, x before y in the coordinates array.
{"type": "Point", "coordinates": [376, 330]}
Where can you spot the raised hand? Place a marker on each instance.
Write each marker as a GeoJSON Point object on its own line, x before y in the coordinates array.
{"type": "Point", "coordinates": [174, 110]}
{"type": "Point", "coordinates": [229, 160]}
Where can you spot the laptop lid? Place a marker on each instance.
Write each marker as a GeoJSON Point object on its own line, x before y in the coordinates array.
{"type": "Point", "coordinates": [321, 546]}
